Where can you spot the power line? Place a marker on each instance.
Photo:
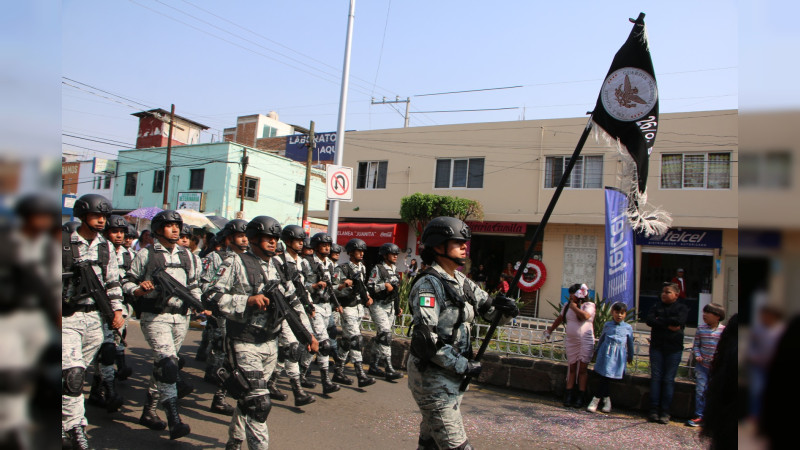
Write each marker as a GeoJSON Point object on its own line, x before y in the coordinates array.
{"type": "Point", "coordinates": [464, 110]}
{"type": "Point", "coordinates": [469, 90]}
{"type": "Point", "coordinates": [383, 41]}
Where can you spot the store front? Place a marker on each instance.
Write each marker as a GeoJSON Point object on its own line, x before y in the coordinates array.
{"type": "Point", "coordinates": [696, 251]}
{"type": "Point", "coordinates": [374, 235]}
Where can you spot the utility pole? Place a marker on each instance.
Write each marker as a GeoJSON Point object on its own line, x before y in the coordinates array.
{"type": "Point", "coordinates": [407, 101]}
{"type": "Point", "coordinates": [333, 215]}
{"type": "Point", "coordinates": [242, 183]}
{"type": "Point", "coordinates": [169, 155]}
{"type": "Point", "coordinates": [306, 190]}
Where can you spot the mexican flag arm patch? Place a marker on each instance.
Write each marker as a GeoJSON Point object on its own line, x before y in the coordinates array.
{"type": "Point", "coordinates": [427, 301]}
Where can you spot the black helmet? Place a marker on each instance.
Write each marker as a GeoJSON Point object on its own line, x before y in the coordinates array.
{"type": "Point", "coordinates": [292, 232]}
{"type": "Point", "coordinates": [36, 204]}
{"type": "Point", "coordinates": [165, 217]}
{"type": "Point", "coordinates": [70, 227]}
{"type": "Point", "coordinates": [131, 231]}
{"type": "Point", "coordinates": [320, 238]}
{"type": "Point", "coordinates": [442, 229]}
{"type": "Point", "coordinates": [307, 242]}
{"type": "Point", "coordinates": [186, 230]}
{"type": "Point", "coordinates": [280, 248]}
{"type": "Point", "coordinates": [388, 248]}
{"type": "Point", "coordinates": [91, 203]}
{"type": "Point", "coordinates": [262, 226]}
{"type": "Point", "coordinates": [234, 226]}
{"type": "Point", "coordinates": [355, 244]}
{"type": "Point", "coordinates": [336, 248]}
{"type": "Point", "coordinates": [115, 221]}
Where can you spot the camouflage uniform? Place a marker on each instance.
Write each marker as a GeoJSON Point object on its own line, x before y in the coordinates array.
{"type": "Point", "coordinates": [350, 345]}
{"type": "Point", "coordinates": [382, 311]}
{"type": "Point", "coordinates": [322, 304]}
{"type": "Point", "coordinates": [290, 364]}
{"type": "Point", "coordinates": [164, 330]}
{"type": "Point", "coordinates": [434, 383]}
{"type": "Point", "coordinates": [254, 340]}
{"type": "Point", "coordinates": [214, 332]}
{"type": "Point", "coordinates": [82, 331]}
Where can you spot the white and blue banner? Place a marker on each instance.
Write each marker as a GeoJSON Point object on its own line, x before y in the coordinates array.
{"type": "Point", "coordinates": [618, 277]}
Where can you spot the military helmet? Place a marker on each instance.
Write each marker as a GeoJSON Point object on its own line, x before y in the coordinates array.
{"type": "Point", "coordinates": [442, 229]}
{"type": "Point", "coordinates": [165, 217]}
{"type": "Point", "coordinates": [292, 232]}
{"type": "Point", "coordinates": [262, 226]}
{"type": "Point", "coordinates": [30, 204]}
{"type": "Point", "coordinates": [280, 248]}
{"type": "Point", "coordinates": [234, 226]}
{"type": "Point", "coordinates": [130, 231]}
{"type": "Point", "coordinates": [320, 238]}
{"type": "Point", "coordinates": [91, 203]}
{"type": "Point", "coordinates": [355, 244]}
{"type": "Point", "coordinates": [115, 221]}
{"type": "Point", "coordinates": [336, 248]}
{"type": "Point", "coordinates": [307, 242]}
{"type": "Point", "coordinates": [186, 230]}
{"type": "Point", "coordinates": [388, 248]}
{"type": "Point", "coordinates": [71, 226]}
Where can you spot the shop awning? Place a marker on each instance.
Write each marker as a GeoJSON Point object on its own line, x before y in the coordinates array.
{"type": "Point", "coordinates": [374, 234]}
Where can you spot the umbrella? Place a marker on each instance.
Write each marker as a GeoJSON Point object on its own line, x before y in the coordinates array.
{"type": "Point", "coordinates": [195, 218]}
{"type": "Point", "coordinates": [219, 221]}
{"type": "Point", "coordinates": [144, 213]}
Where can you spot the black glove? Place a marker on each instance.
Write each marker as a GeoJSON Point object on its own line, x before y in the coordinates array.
{"type": "Point", "coordinates": [506, 306]}
{"type": "Point", "coordinates": [473, 369]}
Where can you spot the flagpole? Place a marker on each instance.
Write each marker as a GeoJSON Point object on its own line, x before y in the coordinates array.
{"type": "Point", "coordinates": [514, 288]}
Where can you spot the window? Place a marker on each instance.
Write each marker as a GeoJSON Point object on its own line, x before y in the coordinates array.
{"type": "Point", "coordinates": [107, 184]}
{"type": "Point", "coordinates": [767, 170]}
{"type": "Point", "coordinates": [250, 188]}
{"type": "Point", "coordinates": [459, 173]}
{"type": "Point", "coordinates": [158, 181]}
{"type": "Point", "coordinates": [696, 171]}
{"type": "Point", "coordinates": [372, 175]}
{"type": "Point", "coordinates": [96, 182]}
{"type": "Point", "coordinates": [586, 174]}
{"type": "Point", "coordinates": [269, 131]}
{"type": "Point", "coordinates": [130, 183]}
{"type": "Point", "coordinates": [196, 177]}
{"type": "Point", "coordinates": [299, 193]}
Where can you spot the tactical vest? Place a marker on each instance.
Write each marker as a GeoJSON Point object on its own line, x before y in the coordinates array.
{"type": "Point", "coordinates": [383, 295]}
{"type": "Point", "coordinates": [71, 253]}
{"type": "Point", "coordinates": [351, 274]}
{"type": "Point", "coordinates": [145, 304]}
{"type": "Point", "coordinates": [247, 332]}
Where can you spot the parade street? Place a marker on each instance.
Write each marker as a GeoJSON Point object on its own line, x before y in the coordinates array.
{"type": "Point", "coordinates": [381, 416]}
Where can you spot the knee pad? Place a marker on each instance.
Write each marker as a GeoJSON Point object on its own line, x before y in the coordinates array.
{"type": "Point", "coordinates": [181, 362]}
{"type": "Point", "coordinates": [107, 354]}
{"type": "Point", "coordinates": [166, 370]}
{"type": "Point", "coordinates": [333, 332]}
{"type": "Point", "coordinates": [355, 342]}
{"type": "Point", "coordinates": [344, 344]}
{"type": "Point", "coordinates": [325, 347]}
{"type": "Point", "coordinates": [72, 381]}
{"type": "Point", "coordinates": [257, 408]}
{"type": "Point", "coordinates": [384, 338]}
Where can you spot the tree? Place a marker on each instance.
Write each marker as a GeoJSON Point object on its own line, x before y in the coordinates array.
{"type": "Point", "coordinates": [418, 209]}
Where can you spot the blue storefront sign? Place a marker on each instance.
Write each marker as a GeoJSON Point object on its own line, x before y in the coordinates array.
{"type": "Point", "coordinates": [324, 151]}
{"type": "Point", "coordinates": [685, 238]}
{"type": "Point", "coordinates": [619, 271]}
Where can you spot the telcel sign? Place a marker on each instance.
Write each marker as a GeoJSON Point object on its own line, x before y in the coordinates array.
{"type": "Point", "coordinates": [684, 237]}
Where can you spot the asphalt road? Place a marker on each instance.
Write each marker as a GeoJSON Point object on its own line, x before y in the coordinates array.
{"type": "Point", "coordinates": [381, 416]}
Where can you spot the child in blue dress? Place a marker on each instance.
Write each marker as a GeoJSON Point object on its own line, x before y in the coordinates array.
{"type": "Point", "coordinates": [614, 350]}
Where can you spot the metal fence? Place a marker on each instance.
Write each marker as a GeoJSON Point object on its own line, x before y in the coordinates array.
{"type": "Point", "coordinates": [525, 337]}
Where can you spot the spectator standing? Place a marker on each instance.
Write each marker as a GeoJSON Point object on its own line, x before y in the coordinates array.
{"type": "Point", "coordinates": [479, 276]}
{"type": "Point", "coordinates": [412, 268]}
{"type": "Point", "coordinates": [509, 272]}
{"type": "Point", "coordinates": [614, 351]}
{"type": "Point", "coordinates": [681, 282]}
{"type": "Point", "coordinates": [667, 321]}
{"type": "Point", "coordinates": [145, 239]}
{"type": "Point", "coordinates": [705, 344]}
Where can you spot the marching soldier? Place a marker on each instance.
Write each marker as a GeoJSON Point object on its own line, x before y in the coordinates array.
{"type": "Point", "coordinates": [211, 263]}
{"type": "Point", "coordinates": [318, 276]}
{"type": "Point", "coordinates": [350, 290]}
{"type": "Point", "coordinates": [336, 250]}
{"type": "Point", "coordinates": [164, 314]}
{"type": "Point", "coordinates": [444, 303]}
{"type": "Point", "coordinates": [82, 325]}
{"type": "Point", "coordinates": [253, 329]}
{"type": "Point", "coordinates": [384, 286]}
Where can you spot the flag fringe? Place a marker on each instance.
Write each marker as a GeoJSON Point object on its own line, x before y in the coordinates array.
{"type": "Point", "coordinates": [643, 217]}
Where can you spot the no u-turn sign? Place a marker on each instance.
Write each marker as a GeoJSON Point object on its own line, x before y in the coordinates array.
{"type": "Point", "coordinates": [339, 180]}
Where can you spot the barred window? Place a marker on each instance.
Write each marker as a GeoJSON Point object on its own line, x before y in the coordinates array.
{"type": "Point", "coordinates": [586, 174]}
{"type": "Point", "coordinates": [696, 171]}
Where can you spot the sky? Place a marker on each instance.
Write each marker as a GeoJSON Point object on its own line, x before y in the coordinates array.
{"type": "Point", "coordinates": [219, 60]}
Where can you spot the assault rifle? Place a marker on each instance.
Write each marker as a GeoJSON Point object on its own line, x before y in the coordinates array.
{"type": "Point", "coordinates": [328, 286]}
{"type": "Point", "coordinates": [88, 285]}
{"type": "Point", "coordinates": [361, 290]}
{"type": "Point", "coordinates": [300, 289]}
{"type": "Point", "coordinates": [173, 288]}
{"type": "Point", "coordinates": [284, 311]}
{"type": "Point", "coordinates": [382, 295]}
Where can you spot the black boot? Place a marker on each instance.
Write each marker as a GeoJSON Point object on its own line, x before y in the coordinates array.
{"type": "Point", "coordinates": [327, 386]}
{"type": "Point", "coordinates": [363, 379]}
{"type": "Point", "coordinates": [304, 381]}
{"type": "Point", "coordinates": [210, 376]}
{"type": "Point", "coordinates": [274, 393]}
{"type": "Point", "coordinates": [184, 388]}
{"type": "Point", "coordinates": [426, 444]}
{"type": "Point", "coordinates": [113, 400]}
{"type": "Point", "coordinates": [300, 396]}
{"type": "Point", "coordinates": [150, 414]}
{"type": "Point", "coordinates": [234, 444]}
{"type": "Point", "coordinates": [338, 374]}
{"type": "Point", "coordinates": [568, 397]}
{"type": "Point", "coordinates": [218, 404]}
{"type": "Point", "coordinates": [77, 437]}
{"type": "Point", "coordinates": [578, 400]}
{"type": "Point", "coordinates": [374, 368]}
{"type": "Point", "coordinates": [177, 429]}
{"type": "Point", "coordinates": [97, 396]}
{"type": "Point", "coordinates": [391, 374]}
{"type": "Point", "coordinates": [123, 370]}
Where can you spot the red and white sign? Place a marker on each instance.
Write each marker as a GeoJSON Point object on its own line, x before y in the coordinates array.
{"type": "Point", "coordinates": [533, 276]}
{"type": "Point", "coordinates": [374, 234]}
{"type": "Point", "coordinates": [340, 182]}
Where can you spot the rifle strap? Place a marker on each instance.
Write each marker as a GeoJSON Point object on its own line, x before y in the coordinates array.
{"type": "Point", "coordinates": [71, 253]}
{"type": "Point", "coordinates": [253, 271]}
{"type": "Point", "coordinates": [452, 296]}
{"type": "Point", "coordinates": [186, 263]}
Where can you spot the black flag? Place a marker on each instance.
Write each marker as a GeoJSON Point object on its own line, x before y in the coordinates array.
{"type": "Point", "coordinates": [627, 110]}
